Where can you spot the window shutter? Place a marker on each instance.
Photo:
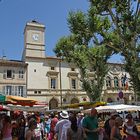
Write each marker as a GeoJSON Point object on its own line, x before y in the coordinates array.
{"type": "Point", "coordinates": [3, 90]}
{"type": "Point", "coordinates": [16, 90]}
{"type": "Point", "coordinates": [4, 74]}
{"type": "Point", "coordinates": [13, 90]}
{"type": "Point", "coordinates": [24, 91]}
{"type": "Point", "coordinates": [13, 74]}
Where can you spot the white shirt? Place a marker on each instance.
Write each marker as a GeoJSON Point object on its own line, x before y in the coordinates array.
{"type": "Point", "coordinates": [58, 127]}
{"type": "Point", "coordinates": [64, 131]}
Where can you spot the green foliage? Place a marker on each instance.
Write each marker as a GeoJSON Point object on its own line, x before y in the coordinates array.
{"type": "Point", "coordinates": [85, 58]}
{"type": "Point", "coordinates": [108, 27]}
{"type": "Point", "coordinates": [123, 32]}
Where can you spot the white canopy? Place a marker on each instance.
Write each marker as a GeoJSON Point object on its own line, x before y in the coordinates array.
{"type": "Point", "coordinates": [114, 108]}
{"type": "Point", "coordinates": [35, 108]}
{"type": "Point", "coordinates": [123, 107]}
{"type": "Point", "coordinates": [101, 109]}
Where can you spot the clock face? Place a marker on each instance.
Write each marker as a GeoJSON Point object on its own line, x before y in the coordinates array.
{"type": "Point", "coordinates": [35, 37]}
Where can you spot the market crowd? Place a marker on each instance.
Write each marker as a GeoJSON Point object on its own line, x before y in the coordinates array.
{"type": "Point", "coordinates": [67, 126]}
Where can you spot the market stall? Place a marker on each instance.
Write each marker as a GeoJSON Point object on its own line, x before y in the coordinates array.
{"type": "Point", "coordinates": [83, 104]}
{"type": "Point", "coordinates": [17, 100]}
{"type": "Point", "coordinates": [115, 108]}
{"type": "Point", "coordinates": [34, 108]}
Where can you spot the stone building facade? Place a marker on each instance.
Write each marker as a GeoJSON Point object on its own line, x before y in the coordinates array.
{"type": "Point", "coordinates": [117, 81]}
{"type": "Point", "coordinates": [53, 81]}
{"type": "Point", "coordinates": [13, 80]}
{"type": "Point", "coordinates": [56, 82]}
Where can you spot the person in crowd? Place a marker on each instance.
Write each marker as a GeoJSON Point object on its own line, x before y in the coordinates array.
{"type": "Point", "coordinates": [130, 128]}
{"type": "Point", "coordinates": [15, 130]}
{"type": "Point", "coordinates": [54, 121]}
{"type": "Point", "coordinates": [66, 126]}
{"type": "Point", "coordinates": [115, 130]}
{"type": "Point", "coordinates": [90, 125]}
{"type": "Point", "coordinates": [38, 130]}
{"type": "Point", "coordinates": [21, 127]}
{"type": "Point", "coordinates": [42, 127]}
{"type": "Point", "coordinates": [47, 126]}
{"type": "Point", "coordinates": [74, 132]}
{"type": "Point", "coordinates": [7, 129]}
{"type": "Point", "coordinates": [109, 123]}
{"type": "Point", "coordinates": [80, 119]}
{"type": "Point", "coordinates": [63, 120]}
{"type": "Point", "coordinates": [30, 134]}
{"type": "Point", "coordinates": [1, 124]}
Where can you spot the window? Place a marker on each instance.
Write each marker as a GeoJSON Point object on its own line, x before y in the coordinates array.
{"type": "Point", "coordinates": [21, 74]}
{"type": "Point", "coordinates": [116, 82]}
{"type": "Point", "coordinates": [108, 81]}
{"type": "Point", "coordinates": [9, 73]}
{"type": "Point", "coordinates": [39, 92]}
{"type": "Point", "coordinates": [9, 90]}
{"type": "Point", "coordinates": [20, 91]}
{"type": "Point", "coordinates": [53, 83]}
{"type": "Point", "coordinates": [72, 69]}
{"type": "Point", "coordinates": [73, 83]}
{"type": "Point", "coordinates": [52, 68]}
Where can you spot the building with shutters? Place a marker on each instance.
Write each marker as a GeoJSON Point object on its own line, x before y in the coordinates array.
{"type": "Point", "coordinates": [13, 80]}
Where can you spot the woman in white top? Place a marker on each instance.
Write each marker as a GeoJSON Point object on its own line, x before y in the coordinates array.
{"type": "Point", "coordinates": [130, 128]}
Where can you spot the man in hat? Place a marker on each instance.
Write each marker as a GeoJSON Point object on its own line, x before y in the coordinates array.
{"type": "Point", "coordinates": [63, 120]}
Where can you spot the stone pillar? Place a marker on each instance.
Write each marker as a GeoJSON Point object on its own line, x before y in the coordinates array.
{"type": "Point", "coordinates": [112, 83]}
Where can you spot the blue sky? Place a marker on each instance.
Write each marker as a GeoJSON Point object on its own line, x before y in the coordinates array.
{"type": "Point", "coordinates": [14, 14]}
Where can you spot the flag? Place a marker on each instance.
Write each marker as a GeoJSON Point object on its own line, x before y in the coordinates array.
{"type": "Point", "coordinates": [126, 85]}
{"type": "Point", "coordinates": [125, 82]}
{"type": "Point", "coordinates": [124, 79]}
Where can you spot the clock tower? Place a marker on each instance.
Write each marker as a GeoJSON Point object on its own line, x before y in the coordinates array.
{"type": "Point", "coordinates": [34, 40]}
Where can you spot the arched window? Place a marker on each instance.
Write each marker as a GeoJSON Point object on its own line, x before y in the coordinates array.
{"type": "Point", "coordinates": [116, 82]}
{"type": "Point", "coordinates": [108, 81]}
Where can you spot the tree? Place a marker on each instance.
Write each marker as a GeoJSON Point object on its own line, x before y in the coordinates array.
{"type": "Point", "coordinates": [122, 34]}
{"type": "Point", "coordinates": [110, 24]}
{"type": "Point", "coordinates": [77, 48]}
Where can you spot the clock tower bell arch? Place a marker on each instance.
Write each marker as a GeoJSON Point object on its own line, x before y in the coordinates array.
{"type": "Point", "coordinates": [34, 40]}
